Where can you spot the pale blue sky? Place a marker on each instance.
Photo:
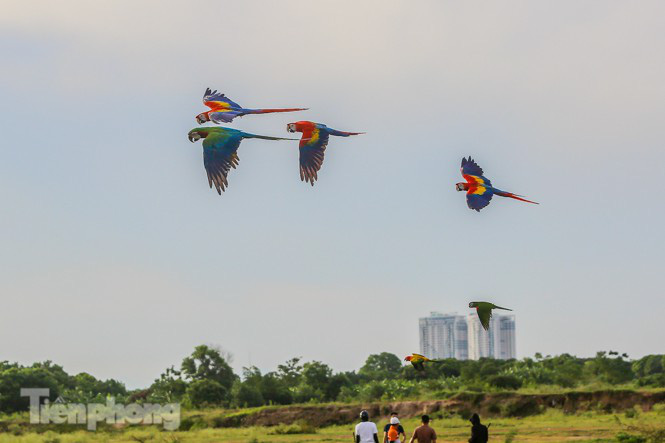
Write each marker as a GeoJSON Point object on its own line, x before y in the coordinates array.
{"type": "Point", "coordinates": [117, 259]}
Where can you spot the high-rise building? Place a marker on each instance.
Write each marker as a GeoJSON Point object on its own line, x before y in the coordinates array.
{"type": "Point", "coordinates": [444, 336]}
{"type": "Point", "coordinates": [497, 342]}
{"type": "Point", "coordinates": [456, 336]}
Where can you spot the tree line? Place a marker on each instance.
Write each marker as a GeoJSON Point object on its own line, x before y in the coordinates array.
{"type": "Point", "coordinates": [206, 379]}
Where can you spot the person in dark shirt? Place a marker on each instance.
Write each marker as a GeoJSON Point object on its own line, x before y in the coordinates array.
{"type": "Point", "coordinates": [424, 433]}
{"type": "Point", "coordinates": [400, 429]}
{"type": "Point", "coordinates": [479, 432]}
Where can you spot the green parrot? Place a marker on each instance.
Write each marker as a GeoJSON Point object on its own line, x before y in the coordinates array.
{"type": "Point", "coordinates": [484, 310]}
{"type": "Point", "coordinates": [220, 151]}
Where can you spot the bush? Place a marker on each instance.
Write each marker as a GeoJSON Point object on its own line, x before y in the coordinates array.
{"type": "Point", "coordinates": [505, 381]}
{"type": "Point", "coordinates": [631, 413]}
{"type": "Point", "coordinates": [522, 408]}
{"type": "Point", "coordinates": [203, 393]}
{"type": "Point", "coordinates": [299, 427]}
{"type": "Point", "coordinates": [248, 396]}
{"type": "Point", "coordinates": [622, 437]}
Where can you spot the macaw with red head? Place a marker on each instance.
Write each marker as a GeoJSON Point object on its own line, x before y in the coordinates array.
{"type": "Point", "coordinates": [224, 110]}
{"type": "Point", "coordinates": [313, 145]}
{"type": "Point", "coordinates": [479, 189]}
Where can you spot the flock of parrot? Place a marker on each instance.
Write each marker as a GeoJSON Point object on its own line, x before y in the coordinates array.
{"type": "Point", "coordinates": [220, 154]}
{"type": "Point", "coordinates": [220, 144]}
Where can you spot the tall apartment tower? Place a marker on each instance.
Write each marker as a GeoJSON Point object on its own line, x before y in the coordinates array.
{"type": "Point", "coordinates": [498, 342]}
{"type": "Point", "coordinates": [444, 336]}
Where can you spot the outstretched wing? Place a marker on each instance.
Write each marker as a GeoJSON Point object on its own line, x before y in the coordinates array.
{"type": "Point", "coordinates": [484, 315]}
{"type": "Point", "coordinates": [218, 101]}
{"type": "Point", "coordinates": [470, 167]}
{"type": "Point", "coordinates": [312, 147]}
{"type": "Point", "coordinates": [478, 196]}
{"type": "Point", "coordinates": [219, 156]}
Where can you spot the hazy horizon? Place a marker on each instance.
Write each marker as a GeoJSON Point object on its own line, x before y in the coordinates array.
{"type": "Point", "coordinates": [118, 259]}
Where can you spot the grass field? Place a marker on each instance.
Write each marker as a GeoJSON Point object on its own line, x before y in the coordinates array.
{"type": "Point", "coordinates": [551, 426]}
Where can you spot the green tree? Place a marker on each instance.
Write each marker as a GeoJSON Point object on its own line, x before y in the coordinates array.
{"type": "Point", "coordinates": [648, 365]}
{"type": "Point", "coordinates": [316, 374]}
{"type": "Point", "coordinates": [274, 390]}
{"type": "Point", "coordinates": [15, 378]}
{"type": "Point", "coordinates": [290, 372]}
{"type": "Point", "coordinates": [381, 366]}
{"type": "Point", "coordinates": [205, 393]}
{"type": "Point", "coordinates": [207, 363]}
{"type": "Point", "coordinates": [169, 387]}
{"type": "Point", "coordinates": [611, 369]}
{"type": "Point", "coordinates": [247, 394]}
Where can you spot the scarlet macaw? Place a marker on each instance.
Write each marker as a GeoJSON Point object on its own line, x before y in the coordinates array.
{"type": "Point", "coordinates": [418, 361]}
{"type": "Point", "coordinates": [484, 311]}
{"type": "Point", "coordinates": [312, 146]}
{"type": "Point", "coordinates": [224, 110]}
{"type": "Point", "coordinates": [220, 146]}
{"type": "Point", "coordinates": [479, 189]}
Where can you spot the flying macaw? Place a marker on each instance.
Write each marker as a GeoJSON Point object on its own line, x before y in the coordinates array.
{"type": "Point", "coordinates": [220, 146]}
{"type": "Point", "coordinates": [224, 110]}
{"type": "Point", "coordinates": [418, 361]}
{"type": "Point", "coordinates": [484, 311]}
{"type": "Point", "coordinates": [479, 189]}
{"type": "Point", "coordinates": [312, 146]}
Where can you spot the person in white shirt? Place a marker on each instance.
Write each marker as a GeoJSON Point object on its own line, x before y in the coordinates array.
{"type": "Point", "coordinates": [366, 431]}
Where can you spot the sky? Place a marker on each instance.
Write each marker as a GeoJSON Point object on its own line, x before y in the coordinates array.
{"type": "Point", "coordinates": [116, 258]}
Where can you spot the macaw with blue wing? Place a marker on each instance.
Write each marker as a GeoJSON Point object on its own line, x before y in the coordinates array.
{"type": "Point", "coordinates": [479, 188]}
{"type": "Point", "coordinates": [224, 110]}
{"type": "Point", "coordinates": [313, 145]}
{"type": "Point", "coordinates": [220, 151]}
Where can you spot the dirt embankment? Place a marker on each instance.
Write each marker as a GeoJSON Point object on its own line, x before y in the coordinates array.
{"type": "Point", "coordinates": [464, 404]}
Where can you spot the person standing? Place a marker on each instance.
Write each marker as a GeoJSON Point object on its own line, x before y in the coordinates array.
{"type": "Point", "coordinates": [424, 433]}
{"type": "Point", "coordinates": [393, 430]}
{"type": "Point", "coordinates": [366, 431]}
{"type": "Point", "coordinates": [479, 432]}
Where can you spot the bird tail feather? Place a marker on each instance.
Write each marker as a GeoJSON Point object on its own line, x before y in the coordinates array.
{"type": "Point", "coordinates": [265, 137]}
{"type": "Point", "coordinates": [342, 133]}
{"type": "Point", "coordinates": [271, 110]}
{"type": "Point", "coordinates": [515, 196]}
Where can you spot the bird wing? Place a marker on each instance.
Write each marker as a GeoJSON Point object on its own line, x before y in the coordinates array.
{"type": "Point", "coordinates": [484, 315]}
{"type": "Point", "coordinates": [473, 173]}
{"type": "Point", "coordinates": [478, 196]}
{"type": "Point", "coordinates": [418, 366]}
{"type": "Point", "coordinates": [420, 357]}
{"type": "Point", "coordinates": [312, 148]}
{"type": "Point", "coordinates": [470, 167]}
{"type": "Point", "coordinates": [219, 156]}
{"type": "Point", "coordinates": [479, 193]}
{"type": "Point", "coordinates": [218, 101]}
{"type": "Point", "coordinates": [225, 115]}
